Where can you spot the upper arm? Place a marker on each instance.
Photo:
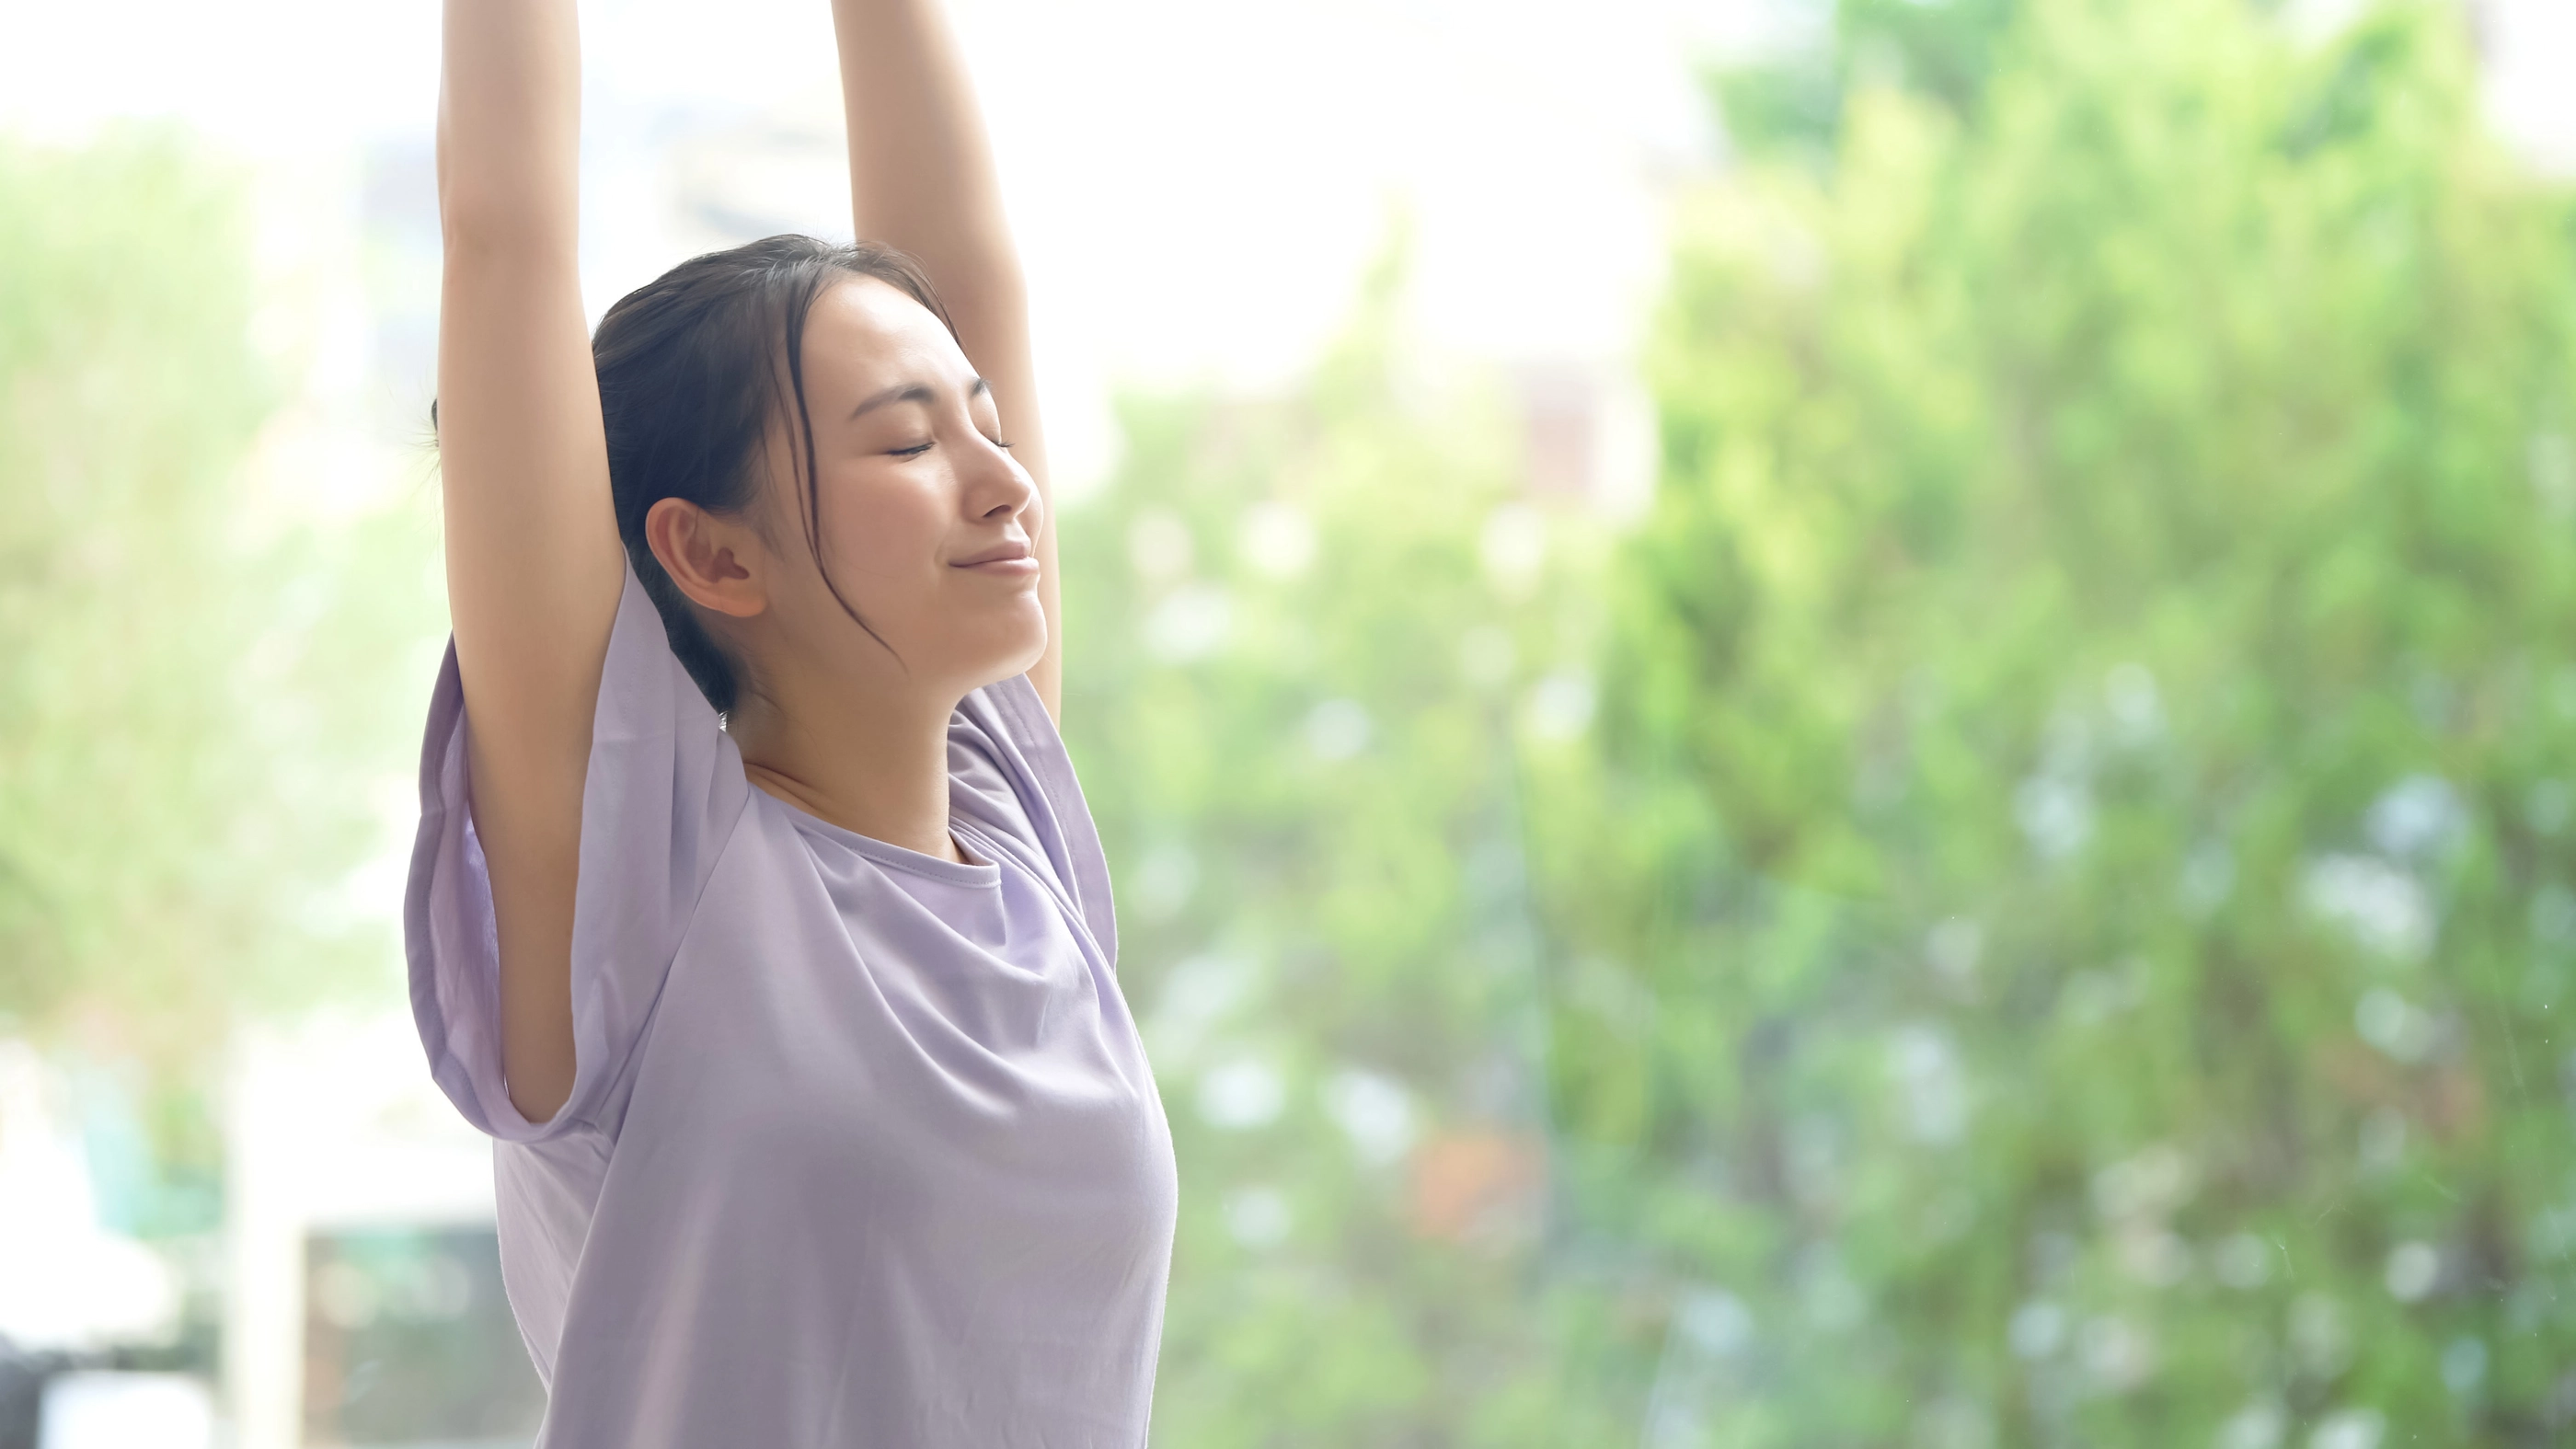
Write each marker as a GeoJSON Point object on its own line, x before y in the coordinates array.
{"type": "Point", "coordinates": [922, 180]}
{"type": "Point", "coordinates": [533, 561]}
{"type": "Point", "coordinates": [983, 292]}
{"type": "Point", "coordinates": [534, 567]}
{"type": "Point", "coordinates": [533, 571]}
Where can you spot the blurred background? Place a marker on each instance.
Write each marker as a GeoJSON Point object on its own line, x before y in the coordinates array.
{"type": "Point", "coordinates": [1823, 722]}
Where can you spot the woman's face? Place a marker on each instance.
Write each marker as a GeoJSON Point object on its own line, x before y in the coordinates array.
{"type": "Point", "coordinates": [929, 525]}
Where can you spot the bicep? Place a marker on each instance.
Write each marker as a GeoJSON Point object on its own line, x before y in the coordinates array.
{"type": "Point", "coordinates": [533, 562]}
{"type": "Point", "coordinates": [534, 571]}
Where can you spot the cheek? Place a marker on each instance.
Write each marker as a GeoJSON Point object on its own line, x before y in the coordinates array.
{"type": "Point", "coordinates": [888, 537]}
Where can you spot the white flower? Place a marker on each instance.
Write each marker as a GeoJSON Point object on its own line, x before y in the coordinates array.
{"type": "Point", "coordinates": [2389, 1022]}
{"type": "Point", "coordinates": [2413, 1269]}
{"type": "Point", "coordinates": [1337, 729]}
{"type": "Point", "coordinates": [1277, 539]}
{"type": "Point", "coordinates": [1513, 548]}
{"type": "Point", "coordinates": [1158, 544]}
{"type": "Point", "coordinates": [1242, 1094]}
{"type": "Point", "coordinates": [2349, 1429]}
{"type": "Point", "coordinates": [1190, 624]}
{"type": "Point", "coordinates": [1560, 705]}
{"type": "Point", "coordinates": [2419, 816]}
{"type": "Point", "coordinates": [1930, 1080]}
{"type": "Point", "coordinates": [1373, 1110]}
{"type": "Point", "coordinates": [2381, 906]}
{"type": "Point", "coordinates": [1258, 1217]}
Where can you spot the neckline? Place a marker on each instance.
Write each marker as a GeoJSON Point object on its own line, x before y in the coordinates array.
{"type": "Point", "coordinates": [983, 872]}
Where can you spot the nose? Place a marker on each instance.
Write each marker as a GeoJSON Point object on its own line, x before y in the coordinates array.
{"type": "Point", "coordinates": [996, 487]}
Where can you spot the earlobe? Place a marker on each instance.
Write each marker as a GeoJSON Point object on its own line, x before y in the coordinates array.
{"type": "Point", "coordinates": [708, 556]}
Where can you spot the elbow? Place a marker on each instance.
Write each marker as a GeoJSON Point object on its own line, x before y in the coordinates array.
{"type": "Point", "coordinates": [537, 1067]}
{"type": "Point", "coordinates": [480, 229]}
{"type": "Point", "coordinates": [982, 290]}
{"type": "Point", "coordinates": [538, 1102]}
{"type": "Point", "coordinates": [483, 213]}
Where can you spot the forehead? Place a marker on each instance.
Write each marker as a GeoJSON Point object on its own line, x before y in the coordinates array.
{"type": "Point", "coordinates": [864, 333]}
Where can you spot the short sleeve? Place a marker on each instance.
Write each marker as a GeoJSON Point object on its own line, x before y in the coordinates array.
{"type": "Point", "coordinates": [1008, 770]}
{"type": "Point", "coordinates": [664, 791]}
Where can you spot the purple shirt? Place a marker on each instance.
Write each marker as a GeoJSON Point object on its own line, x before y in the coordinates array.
{"type": "Point", "coordinates": [862, 1147]}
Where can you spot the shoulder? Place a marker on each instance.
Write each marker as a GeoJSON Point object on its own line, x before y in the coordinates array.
{"type": "Point", "coordinates": [1006, 764]}
{"type": "Point", "coordinates": [1009, 770]}
{"type": "Point", "coordinates": [1012, 707]}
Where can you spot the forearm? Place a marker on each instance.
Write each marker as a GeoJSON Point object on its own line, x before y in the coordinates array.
{"type": "Point", "coordinates": [922, 179]}
{"type": "Point", "coordinates": [509, 126]}
{"type": "Point", "coordinates": [921, 167]}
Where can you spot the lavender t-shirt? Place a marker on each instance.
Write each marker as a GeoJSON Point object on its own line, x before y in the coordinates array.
{"type": "Point", "coordinates": [862, 1147]}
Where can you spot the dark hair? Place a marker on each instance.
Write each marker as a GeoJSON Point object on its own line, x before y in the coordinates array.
{"type": "Point", "coordinates": [690, 374]}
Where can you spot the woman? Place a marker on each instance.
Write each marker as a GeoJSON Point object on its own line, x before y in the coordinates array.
{"type": "Point", "coordinates": [755, 909]}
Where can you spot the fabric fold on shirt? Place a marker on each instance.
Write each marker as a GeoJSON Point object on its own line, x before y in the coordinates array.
{"type": "Point", "coordinates": [862, 1146]}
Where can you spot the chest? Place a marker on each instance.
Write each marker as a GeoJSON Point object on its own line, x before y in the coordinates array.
{"type": "Point", "coordinates": [938, 1056]}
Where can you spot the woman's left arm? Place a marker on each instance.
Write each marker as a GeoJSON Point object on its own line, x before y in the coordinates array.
{"type": "Point", "coordinates": [922, 180]}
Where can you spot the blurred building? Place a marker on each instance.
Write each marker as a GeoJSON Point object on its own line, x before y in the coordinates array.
{"type": "Point", "coordinates": [365, 1304]}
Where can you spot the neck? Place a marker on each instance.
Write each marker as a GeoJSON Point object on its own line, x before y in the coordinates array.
{"type": "Point", "coordinates": [870, 761]}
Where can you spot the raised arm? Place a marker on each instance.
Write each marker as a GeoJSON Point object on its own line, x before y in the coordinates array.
{"type": "Point", "coordinates": [921, 179]}
{"type": "Point", "coordinates": [533, 562]}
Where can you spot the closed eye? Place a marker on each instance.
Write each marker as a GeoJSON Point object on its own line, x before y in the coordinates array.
{"type": "Point", "coordinates": [917, 449]}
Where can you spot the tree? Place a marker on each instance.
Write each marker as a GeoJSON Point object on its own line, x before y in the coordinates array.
{"type": "Point", "coordinates": [1306, 633]}
{"type": "Point", "coordinates": [196, 691]}
{"type": "Point", "coordinates": [1791, 104]}
{"type": "Point", "coordinates": [2082, 824]}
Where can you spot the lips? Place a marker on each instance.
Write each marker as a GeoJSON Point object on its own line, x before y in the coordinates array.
{"type": "Point", "coordinates": [1000, 555]}
{"type": "Point", "coordinates": [1016, 548]}
{"type": "Point", "coordinates": [1003, 558]}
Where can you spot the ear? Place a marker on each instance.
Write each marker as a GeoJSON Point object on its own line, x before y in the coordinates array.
{"type": "Point", "coordinates": [713, 558]}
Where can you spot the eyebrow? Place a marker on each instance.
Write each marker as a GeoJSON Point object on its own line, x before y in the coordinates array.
{"type": "Point", "coordinates": [914, 392]}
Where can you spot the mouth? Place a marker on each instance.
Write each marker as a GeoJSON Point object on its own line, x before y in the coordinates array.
{"type": "Point", "coordinates": [1014, 557]}
{"type": "Point", "coordinates": [1009, 564]}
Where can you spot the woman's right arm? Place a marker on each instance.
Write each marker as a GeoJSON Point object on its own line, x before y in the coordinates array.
{"type": "Point", "coordinates": [534, 567]}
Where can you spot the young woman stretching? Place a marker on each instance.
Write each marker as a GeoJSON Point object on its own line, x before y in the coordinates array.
{"type": "Point", "coordinates": [755, 909]}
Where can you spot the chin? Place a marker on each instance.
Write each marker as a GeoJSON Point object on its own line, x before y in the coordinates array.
{"type": "Point", "coordinates": [1027, 658]}
{"type": "Point", "coordinates": [1015, 655]}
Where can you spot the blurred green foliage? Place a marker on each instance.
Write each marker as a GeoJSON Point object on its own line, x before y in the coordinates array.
{"type": "Point", "coordinates": [2023, 904]}
{"type": "Point", "coordinates": [2110, 592]}
{"type": "Point", "coordinates": [1291, 693]}
{"type": "Point", "coordinates": [1790, 105]}
{"type": "Point", "coordinates": [197, 687]}
{"type": "Point", "coordinates": [2051, 934]}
